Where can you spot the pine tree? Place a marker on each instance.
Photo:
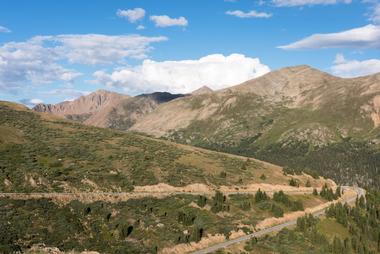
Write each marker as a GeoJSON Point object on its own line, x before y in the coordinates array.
{"type": "Point", "coordinates": [260, 196]}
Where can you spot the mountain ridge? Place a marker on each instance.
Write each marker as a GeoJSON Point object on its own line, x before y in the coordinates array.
{"type": "Point", "coordinates": [101, 107]}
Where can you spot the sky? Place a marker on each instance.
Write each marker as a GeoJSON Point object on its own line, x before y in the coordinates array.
{"type": "Point", "coordinates": [51, 51]}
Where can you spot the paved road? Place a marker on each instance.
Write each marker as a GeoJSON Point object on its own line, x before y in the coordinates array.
{"type": "Point", "coordinates": [359, 191]}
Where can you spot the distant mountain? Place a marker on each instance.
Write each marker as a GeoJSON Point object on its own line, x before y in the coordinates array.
{"type": "Point", "coordinates": [297, 117]}
{"type": "Point", "coordinates": [108, 109]}
{"type": "Point", "coordinates": [202, 90]}
{"type": "Point", "coordinates": [129, 111]}
{"type": "Point", "coordinates": [87, 109]}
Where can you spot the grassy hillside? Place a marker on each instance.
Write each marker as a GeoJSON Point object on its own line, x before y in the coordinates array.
{"type": "Point", "coordinates": [41, 153]}
{"type": "Point", "coordinates": [136, 226]}
{"type": "Point", "coordinates": [296, 117]}
{"type": "Point", "coordinates": [342, 146]}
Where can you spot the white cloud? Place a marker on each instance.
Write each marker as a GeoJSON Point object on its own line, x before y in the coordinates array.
{"type": "Point", "coordinates": [3, 29]}
{"type": "Point", "coordinates": [363, 37]}
{"type": "Point", "coordinates": [30, 62]}
{"type": "Point", "coordinates": [70, 76]}
{"type": "Point", "coordinates": [216, 71]}
{"type": "Point", "coordinates": [100, 49]}
{"type": "Point", "coordinates": [375, 16]}
{"type": "Point", "coordinates": [292, 3]}
{"type": "Point", "coordinates": [31, 102]}
{"type": "Point", "coordinates": [354, 68]}
{"type": "Point", "coordinates": [36, 101]}
{"type": "Point", "coordinates": [250, 14]}
{"type": "Point", "coordinates": [40, 60]}
{"type": "Point", "coordinates": [132, 15]}
{"type": "Point", "coordinates": [140, 27]}
{"type": "Point", "coordinates": [165, 21]}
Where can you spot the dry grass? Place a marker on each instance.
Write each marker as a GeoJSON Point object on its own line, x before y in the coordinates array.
{"type": "Point", "coordinates": [10, 135]}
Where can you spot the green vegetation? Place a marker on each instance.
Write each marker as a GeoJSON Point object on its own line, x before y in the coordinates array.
{"type": "Point", "coordinates": [40, 154]}
{"type": "Point", "coordinates": [328, 194]}
{"type": "Point", "coordinates": [346, 230]}
{"type": "Point", "coordinates": [135, 226]}
{"type": "Point", "coordinates": [281, 197]}
{"type": "Point", "coordinates": [337, 140]}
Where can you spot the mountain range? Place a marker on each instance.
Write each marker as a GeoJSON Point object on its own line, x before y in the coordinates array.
{"type": "Point", "coordinates": [108, 109]}
{"type": "Point", "coordinates": [298, 117]}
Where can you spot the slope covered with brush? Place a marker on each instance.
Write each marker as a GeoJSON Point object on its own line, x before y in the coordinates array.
{"type": "Point", "coordinates": [44, 153]}
{"type": "Point", "coordinates": [297, 117]}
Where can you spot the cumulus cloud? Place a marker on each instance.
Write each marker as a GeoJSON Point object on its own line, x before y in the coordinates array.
{"type": "Point", "coordinates": [363, 37]}
{"type": "Point", "coordinates": [354, 68]}
{"type": "Point", "coordinates": [30, 62]}
{"type": "Point", "coordinates": [293, 3]}
{"type": "Point", "coordinates": [3, 29]}
{"type": "Point", "coordinates": [165, 21]}
{"type": "Point", "coordinates": [250, 14]}
{"type": "Point", "coordinates": [132, 15]}
{"type": "Point", "coordinates": [31, 102]}
{"type": "Point", "coordinates": [216, 71]}
{"type": "Point", "coordinates": [40, 59]}
{"type": "Point", "coordinates": [100, 49]}
{"type": "Point", "coordinates": [36, 101]}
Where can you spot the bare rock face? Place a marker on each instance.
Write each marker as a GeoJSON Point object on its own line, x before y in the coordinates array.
{"type": "Point", "coordinates": [108, 109]}
{"type": "Point", "coordinates": [89, 108]}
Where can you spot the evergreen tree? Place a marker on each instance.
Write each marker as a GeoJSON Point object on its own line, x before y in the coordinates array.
{"type": "Point", "coordinates": [261, 196]}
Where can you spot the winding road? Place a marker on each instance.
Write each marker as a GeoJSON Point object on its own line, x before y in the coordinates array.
{"type": "Point", "coordinates": [360, 192]}
{"type": "Point", "coordinates": [123, 196]}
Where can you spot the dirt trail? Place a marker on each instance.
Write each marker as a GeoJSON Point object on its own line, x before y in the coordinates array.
{"type": "Point", "coordinates": [157, 191]}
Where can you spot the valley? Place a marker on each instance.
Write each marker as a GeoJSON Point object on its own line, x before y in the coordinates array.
{"type": "Point", "coordinates": [163, 173]}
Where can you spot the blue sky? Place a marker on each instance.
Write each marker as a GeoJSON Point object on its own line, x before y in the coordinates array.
{"type": "Point", "coordinates": [57, 50]}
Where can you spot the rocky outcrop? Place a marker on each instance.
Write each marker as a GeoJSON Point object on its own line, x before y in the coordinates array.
{"type": "Point", "coordinates": [85, 107]}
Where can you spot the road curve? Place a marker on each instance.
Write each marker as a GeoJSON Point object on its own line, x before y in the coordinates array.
{"type": "Point", "coordinates": [318, 213]}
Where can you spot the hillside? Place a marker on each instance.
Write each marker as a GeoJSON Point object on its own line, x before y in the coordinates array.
{"type": "Point", "coordinates": [345, 229]}
{"type": "Point", "coordinates": [293, 117]}
{"type": "Point", "coordinates": [73, 187]}
{"type": "Point", "coordinates": [41, 152]}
